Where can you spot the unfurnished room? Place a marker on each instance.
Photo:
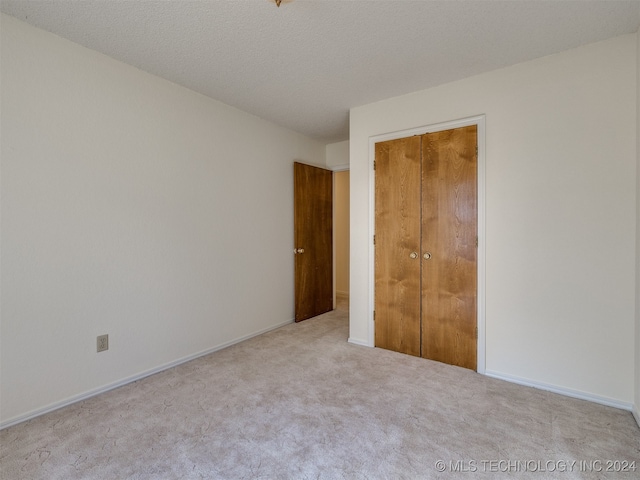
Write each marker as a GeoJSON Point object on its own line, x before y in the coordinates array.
{"type": "Point", "coordinates": [319, 239]}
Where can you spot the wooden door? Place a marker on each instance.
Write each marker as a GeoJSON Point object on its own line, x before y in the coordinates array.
{"type": "Point", "coordinates": [426, 246]}
{"type": "Point", "coordinates": [397, 245]}
{"type": "Point", "coordinates": [313, 240]}
{"type": "Point", "coordinates": [449, 248]}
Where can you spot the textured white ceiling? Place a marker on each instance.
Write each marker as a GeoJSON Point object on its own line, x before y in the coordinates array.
{"type": "Point", "coordinates": [303, 65]}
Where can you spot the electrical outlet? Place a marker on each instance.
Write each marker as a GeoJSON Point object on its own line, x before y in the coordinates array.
{"type": "Point", "coordinates": [103, 343]}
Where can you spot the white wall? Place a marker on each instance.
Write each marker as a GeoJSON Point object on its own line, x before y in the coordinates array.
{"type": "Point", "coordinates": [338, 155]}
{"type": "Point", "coordinates": [133, 207]}
{"type": "Point", "coordinates": [636, 410]}
{"type": "Point", "coordinates": [560, 215]}
{"type": "Point", "coordinates": [341, 231]}
{"type": "Point", "coordinates": [337, 158]}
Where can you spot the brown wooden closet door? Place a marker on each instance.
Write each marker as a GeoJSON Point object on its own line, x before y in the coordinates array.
{"type": "Point", "coordinates": [397, 241]}
{"type": "Point", "coordinates": [313, 242]}
{"type": "Point", "coordinates": [449, 236]}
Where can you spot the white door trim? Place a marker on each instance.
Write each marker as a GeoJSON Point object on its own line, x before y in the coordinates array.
{"type": "Point", "coordinates": [481, 285]}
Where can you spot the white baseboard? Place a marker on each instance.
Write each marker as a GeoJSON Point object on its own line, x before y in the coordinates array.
{"type": "Point", "coordinates": [355, 341]}
{"type": "Point", "coordinates": [568, 392]}
{"type": "Point", "coordinates": [97, 391]}
{"type": "Point", "coordinates": [636, 414]}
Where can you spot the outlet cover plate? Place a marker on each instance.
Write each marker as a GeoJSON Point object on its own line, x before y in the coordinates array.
{"type": "Point", "coordinates": [103, 343]}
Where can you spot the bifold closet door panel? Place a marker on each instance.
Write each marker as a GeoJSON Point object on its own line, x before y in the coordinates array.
{"type": "Point", "coordinates": [397, 245]}
{"type": "Point", "coordinates": [449, 246]}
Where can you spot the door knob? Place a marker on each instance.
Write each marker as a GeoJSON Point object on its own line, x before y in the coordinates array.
{"type": "Point", "coordinates": [300, 250]}
{"type": "Point", "coordinates": [427, 256]}
{"type": "Point", "coordinates": [413, 255]}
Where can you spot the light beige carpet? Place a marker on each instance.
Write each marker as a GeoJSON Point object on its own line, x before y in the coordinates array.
{"type": "Point", "coordinates": [302, 403]}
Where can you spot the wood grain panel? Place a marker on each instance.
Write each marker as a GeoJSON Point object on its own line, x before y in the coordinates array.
{"type": "Point", "coordinates": [397, 227]}
{"type": "Point", "coordinates": [449, 233]}
{"type": "Point", "coordinates": [313, 232]}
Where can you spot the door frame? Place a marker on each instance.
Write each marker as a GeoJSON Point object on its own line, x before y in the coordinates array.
{"type": "Point", "coordinates": [479, 121]}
